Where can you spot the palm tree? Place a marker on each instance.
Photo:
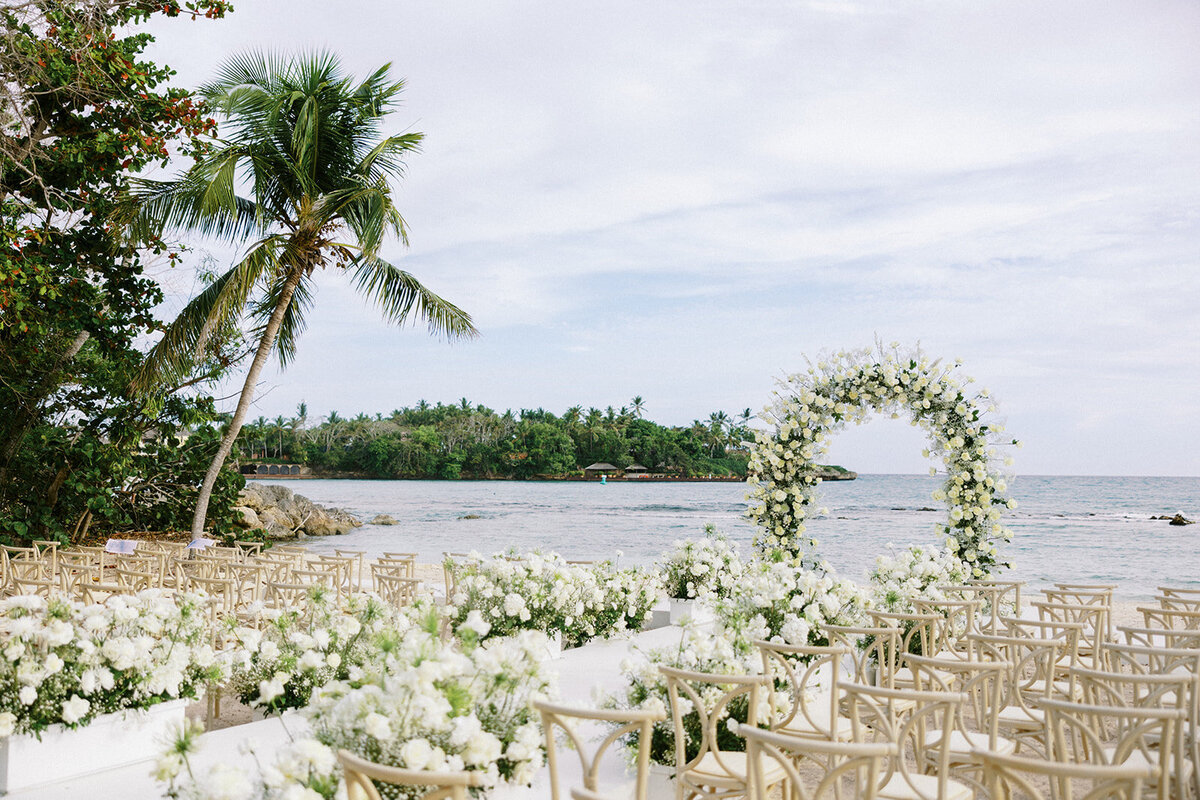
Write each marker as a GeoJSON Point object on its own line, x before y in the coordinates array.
{"type": "Point", "coordinates": [639, 406]}
{"type": "Point", "coordinates": [305, 138]}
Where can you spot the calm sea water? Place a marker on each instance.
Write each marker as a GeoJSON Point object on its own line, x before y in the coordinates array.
{"type": "Point", "coordinates": [1082, 529]}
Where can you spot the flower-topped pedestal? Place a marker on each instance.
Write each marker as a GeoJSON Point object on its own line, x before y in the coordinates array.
{"type": "Point", "coordinates": [809, 406]}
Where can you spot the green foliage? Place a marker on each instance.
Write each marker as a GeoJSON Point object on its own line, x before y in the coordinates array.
{"type": "Point", "coordinates": [82, 112]}
{"type": "Point", "coordinates": [461, 440]}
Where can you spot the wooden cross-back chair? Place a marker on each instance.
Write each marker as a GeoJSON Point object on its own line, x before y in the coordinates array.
{"type": "Point", "coordinates": [362, 776]}
{"type": "Point", "coordinates": [711, 772]}
{"type": "Point", "coordinates": [913, 720]}
{"type": "Point", "coordinates": [1009, 776]}
{"type": "Point", "coordinates": [810, 676]}
{"type": "Point", "coordinates": [623, 722]}
{"type": "Point", "coordinates": [843, 769]}
{"type": "Point", "coordinates": [1117, 735]}
{"type": "Point", "coordinates": [1031, 675]}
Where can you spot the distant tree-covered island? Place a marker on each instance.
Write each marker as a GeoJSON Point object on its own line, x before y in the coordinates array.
{"type": "Point", "coordinates": [464, 440]}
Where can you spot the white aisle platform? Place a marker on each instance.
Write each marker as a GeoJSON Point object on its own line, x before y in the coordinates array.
{"type": "Point", "coordinates": [582, 674]}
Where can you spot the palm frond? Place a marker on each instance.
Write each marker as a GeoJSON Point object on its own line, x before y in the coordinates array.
{"type": "Point", "coordinates": [214, 312]}
{"type": "Point", "coordinates": [399, 295]}
{"type": "Point", "coordinates": [203, 200]}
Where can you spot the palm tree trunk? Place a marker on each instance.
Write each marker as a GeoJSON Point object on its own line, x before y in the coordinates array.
{"type": "Point", "coordinates": [265, 345]}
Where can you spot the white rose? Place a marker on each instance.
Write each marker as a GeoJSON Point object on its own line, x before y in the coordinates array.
{"type": "Point", "coordinates": [27, 695]}
{"type": "Point", "coordinates": [379, 727]}
{"type": "Point", "coordinates": [74, 709]}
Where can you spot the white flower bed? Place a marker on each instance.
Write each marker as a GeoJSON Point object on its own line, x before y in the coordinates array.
{"type": "Point", "coordinates": [434, 705]}
{"type": "Point", "coordinates": [781, 602]}
{"type": "Point", "coordinates": [700, 569]}
{"type": "Point", "coordinates": [848, 386]}
{"type": "Point", "coordinates": [914, 573]}
{"type": "Point", "coordinates": [542, 592]}
{"type": "Point", "coordinates": [297, 650]}
{"type": "Point", "coordinates": [64, 662]}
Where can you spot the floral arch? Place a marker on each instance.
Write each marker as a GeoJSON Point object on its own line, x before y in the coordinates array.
{"type": "Point", "coordinates": [808, 407]}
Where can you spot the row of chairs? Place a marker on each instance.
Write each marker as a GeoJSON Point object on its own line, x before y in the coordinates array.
{"type": "Point", "coordinates": [974, 696]}
{"type": "Point", "coordinates": [236, 579]}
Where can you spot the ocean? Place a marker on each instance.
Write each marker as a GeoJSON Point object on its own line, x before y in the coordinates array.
{"type": "Point", "coordinates": [1075, 529]}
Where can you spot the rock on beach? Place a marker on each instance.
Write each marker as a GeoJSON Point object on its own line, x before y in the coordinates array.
{"type": "Point", "coordinates": [283, 514]}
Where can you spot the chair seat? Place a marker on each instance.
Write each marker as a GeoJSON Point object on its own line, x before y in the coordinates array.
{"type": "Point", "coordinates": [709, 771]}
{"type": "Point", "coordinates": [921, 787]}
{"type": "Point", "coordinates": [962, 743]}
{"type": "Point", "coordinates": [1140, 759]}
{"type": "Point", "coordinates": [903, 677]}
{"type": "Point", "coordinates": [800, 726]}
{"type": "Point", "coordinates": [1060, 688]}
{"type": "Point", "coordinates": [1019, 717]}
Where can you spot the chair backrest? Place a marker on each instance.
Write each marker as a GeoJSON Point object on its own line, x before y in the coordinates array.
{"type": "Point", "coordinates": [286, 595]}
{"type": "Point", "coordinates": [907, 717]}
{"type": "Point", "coordinates": [342, 567]}
{"type": "Point", "coordinates": [322, 577]}
{"type": "Point", "coordinates": [981, 683]}
{"type": "Point", "coordinates": [687, 688]}
{"type": "Point", "coordinates": [961, 617]}
{"type": "Point", "coordinates": [138, 580]}
{"type": "Point", "coordinates": [1137, 690]}
{"type": "Point", "coordinates": [1040, 779]}
{"type": "Point", "coordinates": [248, 548]}
{"type": "Point", "coordinates": [1141, 660]}
{"type": "Point", "coordinates": [1172, 618]}
{"type": "Point", "coordinates": [1008, 594]}
{"type": "Point", "coordinates": [1179, 603]}
{"type": "Point", "coordinates": [396, 590]}
{"type": "Point", "coordinates": [920, 633]}
{"type": "Point", "coordinates": [623, 722]}
{"type": "Point", "coordinates": [450, 564]}
{"type": "Point", "coordinates": [1160, 637]}
{"type": "Point", "coordinates": [358, 557]}
{"type": "Point", "coordinates": [1083, 732]}
{"type": "Point", "coordinates": [44, 587]}
{"type": "Point", "coordinates": [1031, 665]}
{"type": "Point", "coordinates": [811, 675]}
{"type": "Point", "coordinates": [221, 593]}
{"type": "Point", "coordinates": [874, 652]}
{"type": "Point", "coordinates": [1179, 591]}
{"type": "Point", "coordinates": [858, 764]}
{"type": "Point", "coordinates": [361, 776]}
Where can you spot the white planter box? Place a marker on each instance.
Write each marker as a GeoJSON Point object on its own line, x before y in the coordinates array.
{"type": "Point", "coordinates": [689, 609]}
{"type": "Point", "coordinates": [660, 783]}
{"type": "Point", "coordinates": [110, 741]}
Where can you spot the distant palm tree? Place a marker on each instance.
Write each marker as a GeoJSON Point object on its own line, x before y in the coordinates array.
{"type": "Point", "coordinates": [306, 140]}
{"type": "Point", "coordinates": [639, 406]}
{"type": "Point", "coordinates": [280, 424]}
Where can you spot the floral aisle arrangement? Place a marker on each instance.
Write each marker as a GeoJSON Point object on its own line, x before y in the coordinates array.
{"type": "Point", "coordinates": [646, 688]}
{"type": "Point", "coordinates": [67, 663]}
{"type": "Point", "coordinates": [848, 386]}
{"type": "Point", "coordinates": [437, 706]}
{"type": "Point", "coordinates": [914, 573]}
{"type": "Point", "coordinates": [782, 602]}
{"type": "Point", "coordinates": [278, 665]}
{"type": "Point", "coordinates": [544, 593]}
{"type": "Point", "coordinates": [700, 569]}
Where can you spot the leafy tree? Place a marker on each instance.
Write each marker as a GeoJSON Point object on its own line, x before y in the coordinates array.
{"type": "Point", "coordinates": [80, 111]}
{"type": "Point", "coordinates": [306, 138]}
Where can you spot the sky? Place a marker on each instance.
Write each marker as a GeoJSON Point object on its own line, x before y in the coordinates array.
{"type": "Point", "coordinates": [684, 200]}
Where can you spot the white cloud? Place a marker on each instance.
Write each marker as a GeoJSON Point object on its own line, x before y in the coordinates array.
{"type": "Point", "coordinates": [681, 199]}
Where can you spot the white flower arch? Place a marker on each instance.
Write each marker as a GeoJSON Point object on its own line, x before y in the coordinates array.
{"type": "Point", "coordinates": [808, 407]}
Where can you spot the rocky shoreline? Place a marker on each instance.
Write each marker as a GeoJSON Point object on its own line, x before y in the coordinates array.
{"type": "Point", "coordinates": [283, 514]}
